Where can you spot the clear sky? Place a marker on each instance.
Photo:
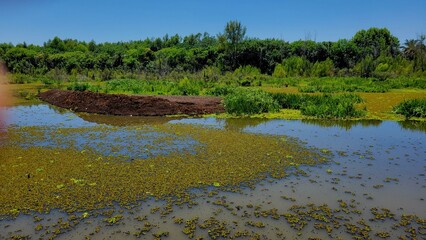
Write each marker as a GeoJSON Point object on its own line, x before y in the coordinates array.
{"type": "Point", "coordinates": [36, 21]}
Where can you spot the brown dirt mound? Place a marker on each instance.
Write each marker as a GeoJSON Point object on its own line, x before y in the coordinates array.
{"type": "Point", "coordinates": [120, 104]}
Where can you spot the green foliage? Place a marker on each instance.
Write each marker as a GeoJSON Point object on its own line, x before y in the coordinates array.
{"type": "Point", "coordinates": [135, 86]}
{"type": "Point", "coordinates": [79, 86]}
{"type": "Point", "coordinates": [247, 75]}
{"type": "Point", "coordinates": [333, 106]}
{"type": "Point", "coordinates": [348, 84]}
{"type": "Point", "coordinates": [296, 67]}
{"type": "Point", "coordinates": [365, 67]}
{"type": "Point", "coordinates": [187, 87]}
{"type": "Point", "coordinates": [376, 41]}
{"type": "Point", "coordinates": [344, 53]}
{"type": "Point", "coordinates": [279, 71]}
{"type": "Point", "coordinates": [412, 108]}
{"type": "Point", "coordinates": [245, 101]}
{"type": "Point", "coordinates": [220, 90]}
{"type": "Point", "coordinates": [290, 100]}
{"type": "Point", "coordinates": [234, 32]}
{"type": "Point", "coordinates": [370, 53]}
{"type": "Point", "coordinates": [323, 69]}
{"type": "Point", "coordinates": [321, 106]}
{"type": "Point", "coordinates": [415, 50]}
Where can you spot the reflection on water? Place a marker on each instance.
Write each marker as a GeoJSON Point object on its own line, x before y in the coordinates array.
{"type": "Point", "coordinates": [47, 115]}
{"type": "Point", "coordinates": [413, 125]}
{"type": "Point", "coordinates": [43, 115]}
{"type": "Point", "coordinates": [344, 124]}
{"type": "Point", "coordinates": [123, 120]}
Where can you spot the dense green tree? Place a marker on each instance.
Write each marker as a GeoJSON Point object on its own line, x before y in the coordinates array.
{"type": "Point", "coordinates": [370, 53]}
{"type": "Point", "coordinates": [415, 50]}
{"type": "Point", "coordinates": [376, 41]}
{"type": "Point", "coordinates": [344, 53]}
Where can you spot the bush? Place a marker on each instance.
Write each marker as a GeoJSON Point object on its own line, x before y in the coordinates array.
{"type": "Point", "coordinates": [329, 106]}
{"type": "Point", "coordinates": [291, 100]}
{"type": "Point", "coordinates": [245, 101]}
{"type": "Point", "coordinates": [321, 106]}
{"type": "Point", "coordinates": [411, 108]}
{"type": "Point", "coordinates": [187, 87]}
{"type": "Point", "coordinates": [78, 86]}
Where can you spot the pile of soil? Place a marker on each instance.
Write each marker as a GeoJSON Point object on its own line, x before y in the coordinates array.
{"type": "Point", "coordinates": [120, 104]}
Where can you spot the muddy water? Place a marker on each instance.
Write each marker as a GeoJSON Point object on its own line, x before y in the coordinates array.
{"type": "Point", "coordinates": [375, 165]}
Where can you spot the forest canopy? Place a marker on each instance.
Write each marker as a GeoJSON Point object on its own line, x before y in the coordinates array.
{"type": "Point", "coordinates": [374, 52]}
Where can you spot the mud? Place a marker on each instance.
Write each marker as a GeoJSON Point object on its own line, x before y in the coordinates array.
{"type": "Point", "coordinates": [120, 104]}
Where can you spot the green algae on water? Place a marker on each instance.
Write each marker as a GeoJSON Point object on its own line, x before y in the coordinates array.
{"type": "Point", "coordinates": [41, 178]}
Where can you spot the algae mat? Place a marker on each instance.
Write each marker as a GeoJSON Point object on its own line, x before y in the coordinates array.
{"type": "Point", "coordinates": [57, 171]}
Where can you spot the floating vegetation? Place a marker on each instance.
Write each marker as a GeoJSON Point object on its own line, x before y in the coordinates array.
{"type": "Point", "coordinates": [40, 177]}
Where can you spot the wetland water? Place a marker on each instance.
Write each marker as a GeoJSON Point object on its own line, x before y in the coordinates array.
{"type": "Point", "coordinates": [373, 184]}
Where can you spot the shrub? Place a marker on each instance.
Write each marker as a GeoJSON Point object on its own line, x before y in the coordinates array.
{"type": "Point", "coordinates": [278, 71]}
{"type": "Point", "coordinates": [187, 87]}
{"type": "Point", "coordinates": [245, 101]}
{"type": "Point", "coordinates": [411, 108]}
{"type": "Point", "coordinates": [78, 86]}
{"type": "Point", "coordinates": [323, 69]}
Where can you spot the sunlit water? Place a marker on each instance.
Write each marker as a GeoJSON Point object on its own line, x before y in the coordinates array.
{"type": "Point", "coordinates": [375, 164]}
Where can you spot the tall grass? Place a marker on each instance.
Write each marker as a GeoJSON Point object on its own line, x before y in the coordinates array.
{"type": "Point", "coordinates": [412, 108]}
{"type": "Point", "coordinates": [322, 106]}
{"type": "Point", "coordinates": [245, 101]}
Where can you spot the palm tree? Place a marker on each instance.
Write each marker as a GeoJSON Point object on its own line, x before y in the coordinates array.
{"type": "Point", "coordinates": [410, 48]}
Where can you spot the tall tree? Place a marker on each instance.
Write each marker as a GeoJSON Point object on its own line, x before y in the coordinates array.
{"type": "Point", "coordinates": [375, 42]}
{"type": "Point", "coordinates": [234, 34]}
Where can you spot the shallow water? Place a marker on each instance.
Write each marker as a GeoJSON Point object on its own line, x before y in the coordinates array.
{"type": "Point", "coordinates": [375, 164]}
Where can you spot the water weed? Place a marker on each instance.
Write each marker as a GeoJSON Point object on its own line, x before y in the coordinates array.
{"type": "Point", "coordinates": [412, 108]}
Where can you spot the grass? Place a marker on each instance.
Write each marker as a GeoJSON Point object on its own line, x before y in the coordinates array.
{"type": "Point", "coordinates": [333, 85]}
{"type": "Point", "coordinates": [357, 84]}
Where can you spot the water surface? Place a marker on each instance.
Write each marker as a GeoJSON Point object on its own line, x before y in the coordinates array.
{"type": "Point", "coordinates": [375, 164]}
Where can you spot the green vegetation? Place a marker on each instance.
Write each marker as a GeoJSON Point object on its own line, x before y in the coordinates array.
{"type": "Point", "coordinates": [372, 61]}
{"type": "Point", "coordinates": [333, 106]}
{"type": "Point", "coordinates": [322, 106]}
{"type": "Point", "coordinates": [243, 101]}
{"type": "Point", "coordinates": [40, 179]}
{"type": "Point", "coordinates": [357, 84]}
{"type": "Point", "coordinates": [369, 53]}
{"type": "Point", "coordinates": [412, 108]}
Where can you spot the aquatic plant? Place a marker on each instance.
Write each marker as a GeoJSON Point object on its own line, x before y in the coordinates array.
{"type": "Point", "coordinates": [72, 179]}
{"type": "Point", "coordinates": [411, 108]}
{"type": "Point", "coordinates": [322, 106]}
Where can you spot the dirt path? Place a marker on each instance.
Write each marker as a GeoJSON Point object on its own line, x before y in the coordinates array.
{"type": "Point", "coordinates": [120, 104]}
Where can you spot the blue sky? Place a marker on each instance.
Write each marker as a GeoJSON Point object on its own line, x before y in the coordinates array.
{"type": "Point", "coordinates": [36, 21]}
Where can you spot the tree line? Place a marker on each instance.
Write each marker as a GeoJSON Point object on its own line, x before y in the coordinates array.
{"type": "Point", "coordinates": [369, 53]}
